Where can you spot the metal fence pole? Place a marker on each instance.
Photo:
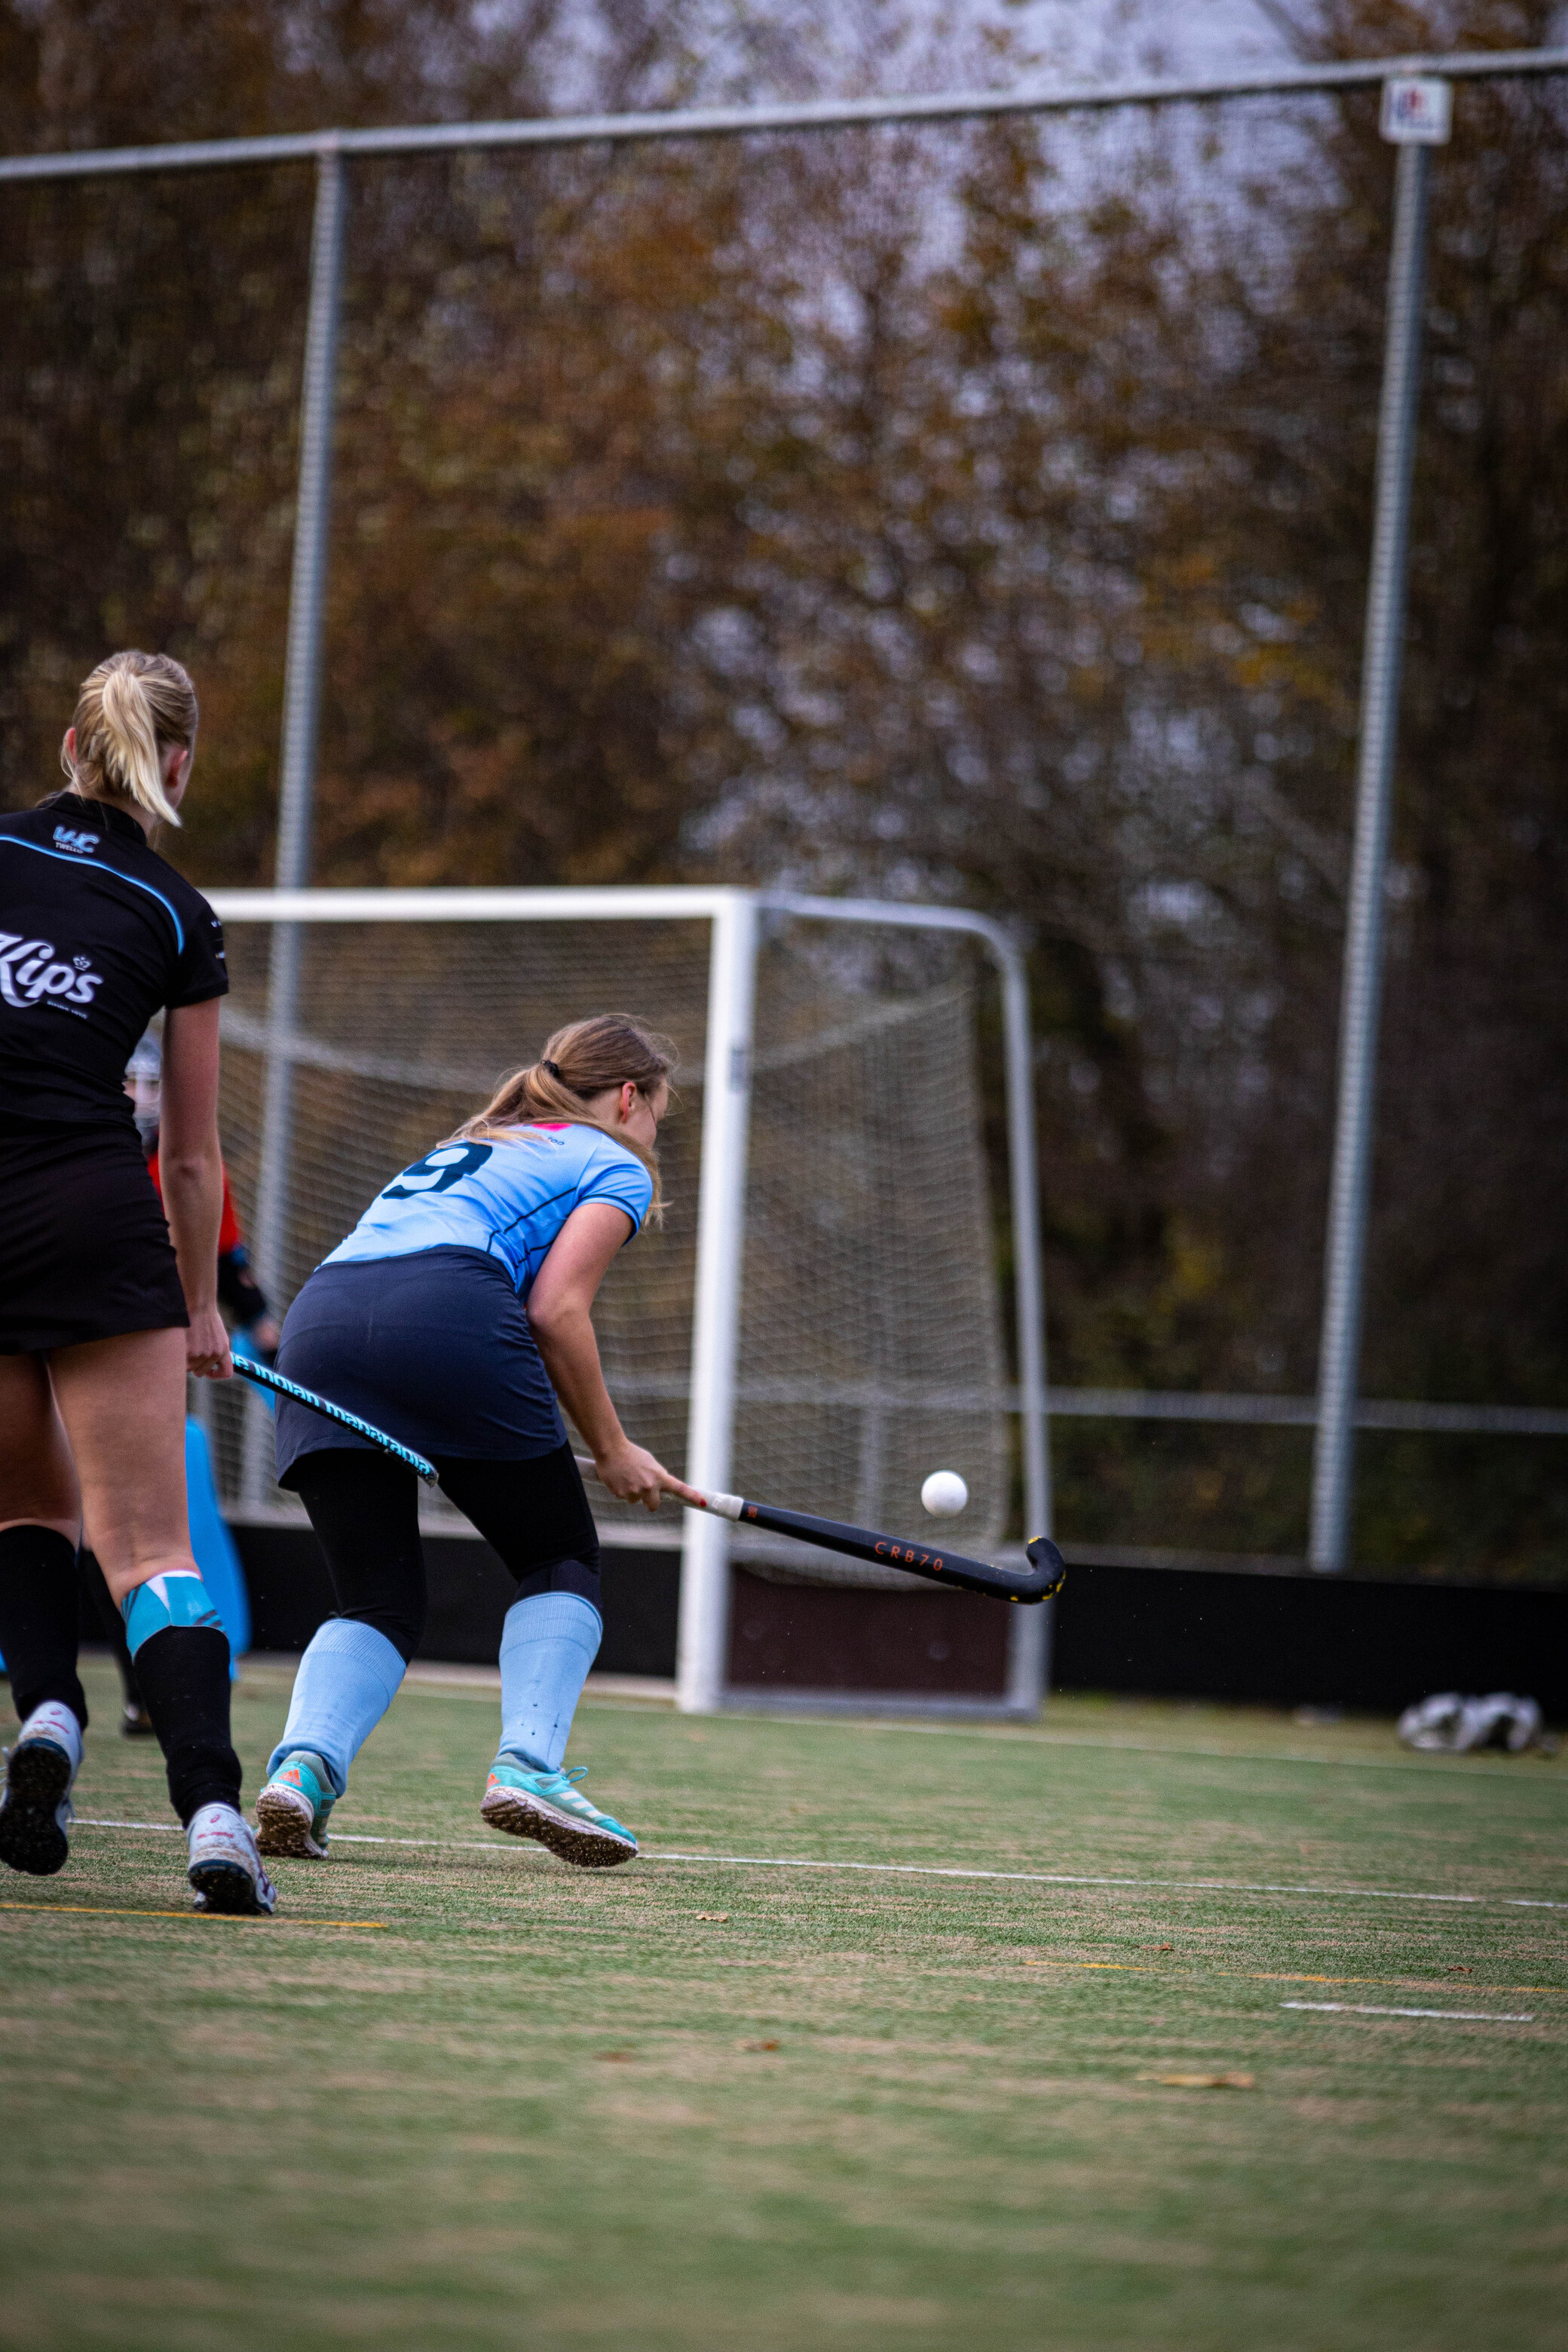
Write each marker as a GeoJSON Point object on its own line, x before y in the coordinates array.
{"type": "Point", "coordinates": [702, 1634]}
{"type": "Point", "coordinates": [1030, 1636]}
{"type": "Point", "coordinates": [1345, 1251]}
{"type": "Point", "coordinates": [301, 705]}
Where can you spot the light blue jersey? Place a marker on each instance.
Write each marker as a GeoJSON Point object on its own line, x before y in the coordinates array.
{"type": "Point", "coordinates": [509, 1198]}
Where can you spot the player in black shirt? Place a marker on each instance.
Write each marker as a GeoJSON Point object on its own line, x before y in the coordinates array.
{"type": "Point", "coordinates": [104, 1305]}
{"type": "Point", "coordinates": [255, 1331]}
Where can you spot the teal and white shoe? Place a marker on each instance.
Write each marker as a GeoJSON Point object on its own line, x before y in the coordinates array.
{"type": "Point", "coordinates": [35, 1808]}
{"type": "Point", "coordinates": [226, 1867]}
{"type": "Point", "coordinates": [291, 1810]}
{"type": "Point", "coordinates": [551, 1807]}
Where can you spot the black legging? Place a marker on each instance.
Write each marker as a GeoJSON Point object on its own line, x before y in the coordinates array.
{"type": "Point", "coordinates": [365, 1511]}
{"type": "Point", "coordinates": [95, 1591]}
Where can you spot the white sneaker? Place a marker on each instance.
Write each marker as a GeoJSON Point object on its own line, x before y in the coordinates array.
{"type": "Point", "coordinates": [227, 1870]}
{"type": "Point", "coordinates": [35, 1808]}
{"type": "Point", "coordinates": [292, 1810]}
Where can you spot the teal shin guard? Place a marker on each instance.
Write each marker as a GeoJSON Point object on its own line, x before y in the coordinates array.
{"type": "Point", "coordinates": [178, 1599]}
{"type": "Point", "coordinates": [347, 1679]}
{"type": "Point", "coordinates": [549, 1644]}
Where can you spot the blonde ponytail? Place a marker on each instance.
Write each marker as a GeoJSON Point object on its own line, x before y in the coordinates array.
{"type": "Point", "coordinates": [585, 1058]}
{"type": "Point", "coordinates": [129, 708]}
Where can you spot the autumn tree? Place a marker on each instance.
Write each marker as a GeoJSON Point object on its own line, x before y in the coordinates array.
{"type": "Point", "coordinates": [978, 512]}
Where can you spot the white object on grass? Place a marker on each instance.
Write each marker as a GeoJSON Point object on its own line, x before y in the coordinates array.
{"type": "Point", "coordinates": [1461, 1725]}
{"type": "Point", "coordinates": [1466, 2016]}
{"type": "Point", "coordinates": [943, 1494]}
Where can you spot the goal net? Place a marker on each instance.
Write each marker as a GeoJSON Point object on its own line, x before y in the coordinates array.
{"type": "Point", "coordinates": [870, 1344]}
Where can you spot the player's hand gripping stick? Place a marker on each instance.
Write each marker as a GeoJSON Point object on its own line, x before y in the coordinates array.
{"type": "Point", "coordinates": [1044, 1576]}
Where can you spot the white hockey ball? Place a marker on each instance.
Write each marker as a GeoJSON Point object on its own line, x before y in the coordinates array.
{"type": "Point", "coordinates": [945, 1492]}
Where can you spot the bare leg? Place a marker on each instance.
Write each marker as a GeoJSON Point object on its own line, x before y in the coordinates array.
{"type": "Point", "coordinates": [123, 1402]}
{"type": "Point", "coordinates": [37, 1478]}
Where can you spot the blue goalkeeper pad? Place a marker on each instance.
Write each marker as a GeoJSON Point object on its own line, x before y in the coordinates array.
{"type": "Point", "coordinates": [213, 1545]}
{"type": "Point", "coordinates": [244, 1350]}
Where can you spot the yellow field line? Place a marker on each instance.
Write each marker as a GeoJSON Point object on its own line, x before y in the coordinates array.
{"type": "Point", "coordinates": [193, 1918]}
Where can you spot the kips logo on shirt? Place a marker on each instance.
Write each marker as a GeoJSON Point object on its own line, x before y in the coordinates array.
{"type": "Point", "coordinates": [81, 844]}
{"type": "Point", "coordinates": [29, 974]}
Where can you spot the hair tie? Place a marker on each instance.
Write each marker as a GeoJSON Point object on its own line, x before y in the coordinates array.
{"type": "Point", "coordinates": [552, 1069]}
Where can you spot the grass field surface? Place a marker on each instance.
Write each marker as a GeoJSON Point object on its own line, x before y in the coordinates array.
{"type": "Point", "coordinates": [457, 2095]}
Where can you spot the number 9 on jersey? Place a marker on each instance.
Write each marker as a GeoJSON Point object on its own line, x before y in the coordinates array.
{"type": "Point", "coordinates": [440, 1171]}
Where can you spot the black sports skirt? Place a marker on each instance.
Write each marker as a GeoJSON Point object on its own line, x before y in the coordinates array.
{"type": "Point", "coordinates": [84, 1245]}
{"type": "Point", "coordinates": [433, 1348]}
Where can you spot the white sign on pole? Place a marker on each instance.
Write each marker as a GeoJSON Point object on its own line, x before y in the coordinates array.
{"type": "Point", "coordinates": [1417, 112]}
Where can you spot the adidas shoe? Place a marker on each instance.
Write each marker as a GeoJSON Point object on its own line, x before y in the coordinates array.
{"type": "Point", "coordinates": [225, 1868]}
{"type": "Point", "coordinates": [291, 1810]}
{"type": "Point", "coordinates": [549, 1806]}
{"type": "Point", "coordinates": [36, 1810]}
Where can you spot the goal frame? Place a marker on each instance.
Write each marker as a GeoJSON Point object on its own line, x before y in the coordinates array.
{"type": "Point", "coordinates": [735, 915]}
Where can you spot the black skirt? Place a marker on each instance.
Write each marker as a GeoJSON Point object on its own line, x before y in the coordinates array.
{"type": "Point", "coordinates": [84, 1245]}
{"type": "Point", "coordinates": [433, 1348]}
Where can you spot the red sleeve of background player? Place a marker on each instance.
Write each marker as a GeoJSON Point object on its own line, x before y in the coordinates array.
{"type": "Point", "coordinates": [229, 1236]}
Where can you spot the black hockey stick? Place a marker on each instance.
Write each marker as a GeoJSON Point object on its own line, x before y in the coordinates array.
{"type": "Point", "coordinates": [267, 1378]}
{"type": "Point", "coordinates": [1045, 1575]}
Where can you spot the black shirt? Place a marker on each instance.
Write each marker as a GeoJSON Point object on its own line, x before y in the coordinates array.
{"type": "Point", "coordinates": [97, 933]}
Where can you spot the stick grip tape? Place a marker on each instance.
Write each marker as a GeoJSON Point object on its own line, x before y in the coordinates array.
{"type": "Point", "coordinates": [266, 1378]}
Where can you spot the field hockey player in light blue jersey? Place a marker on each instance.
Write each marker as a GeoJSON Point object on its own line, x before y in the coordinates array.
{"type": "Point", "coordinates": [453, 1317]}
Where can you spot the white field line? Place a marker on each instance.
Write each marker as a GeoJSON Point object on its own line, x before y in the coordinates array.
{"type": "Point", "coordinates": [340, 1837]}
{"type": "Point", "coordinates": [1366, 2009]}
{"type": "Point", "coordinates": [924, 1870]}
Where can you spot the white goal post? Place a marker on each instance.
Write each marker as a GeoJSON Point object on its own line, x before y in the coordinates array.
{"type": "Point", "coordinates": [385, 1026]}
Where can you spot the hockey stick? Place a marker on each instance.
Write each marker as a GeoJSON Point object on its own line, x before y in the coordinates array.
{"type": "Point", "coordinates": [1045, 1575]}
{"type": "Point", "coordinates": [267, 1378]}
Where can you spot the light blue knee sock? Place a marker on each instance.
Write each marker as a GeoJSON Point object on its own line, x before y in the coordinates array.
{"type": "Point", "coordinates": [347, 1680]}
{"type": "Point", "coordinates": [549, 1643]}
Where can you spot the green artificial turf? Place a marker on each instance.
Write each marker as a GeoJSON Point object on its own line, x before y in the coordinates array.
{"type": "Point", "coordinates": [721, 2106]}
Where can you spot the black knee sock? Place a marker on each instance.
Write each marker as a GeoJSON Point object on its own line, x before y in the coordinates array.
{"type": "Point", "coordinates": [38, 1619]}
{"type": "Point", "coordinates": [183, 1674]}
{"type": "Point", "coordinates": [111, 1624]}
